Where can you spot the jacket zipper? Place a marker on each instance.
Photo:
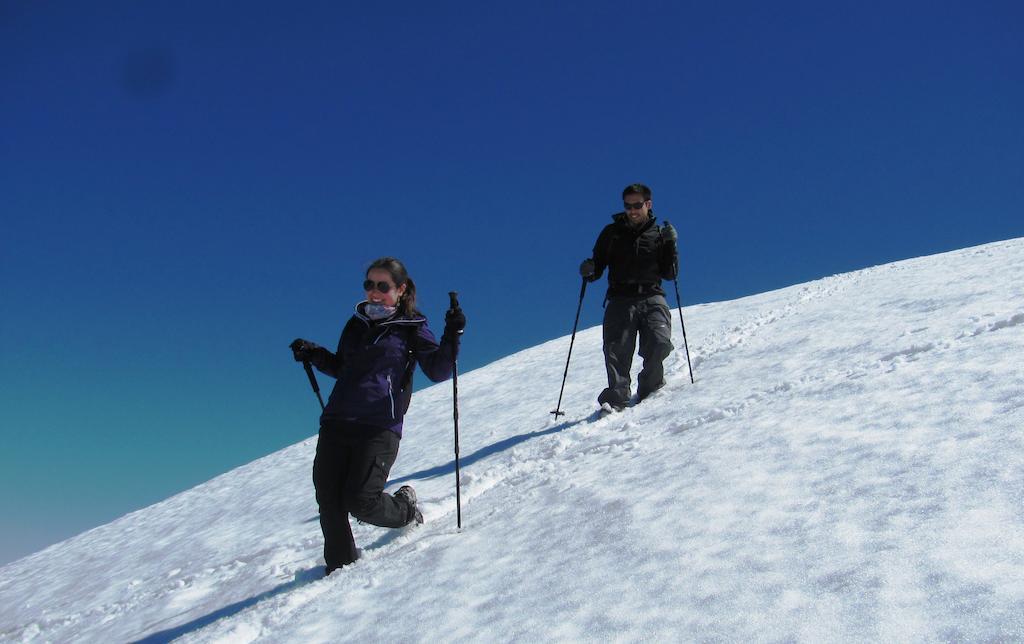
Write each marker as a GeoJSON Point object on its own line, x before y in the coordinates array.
{"type": "Point", "coordinates": [391, 396]}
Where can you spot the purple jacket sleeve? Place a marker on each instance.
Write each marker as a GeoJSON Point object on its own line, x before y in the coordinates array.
{"type": "Point", "coordinates": [436, 359]}
{"type": "Point", "coordinates": [330, 363]}
{"type": "Point", "coordinates": [326, 362]}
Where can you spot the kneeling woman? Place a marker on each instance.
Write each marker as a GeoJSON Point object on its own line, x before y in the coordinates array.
{"type": "Point", "coordinates": [362, 424]}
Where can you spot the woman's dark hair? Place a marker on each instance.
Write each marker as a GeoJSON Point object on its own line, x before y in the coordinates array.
{"type": "Point", "coordinates": [395, 268]}
{"type": "Point", "coordinates": [637, 189]}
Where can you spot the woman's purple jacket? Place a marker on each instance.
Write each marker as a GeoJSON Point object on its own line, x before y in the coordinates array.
{"type": "Point", "coordinates": [374, 366]}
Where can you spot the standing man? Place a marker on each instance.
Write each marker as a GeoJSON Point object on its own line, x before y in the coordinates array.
{"type": "Point", "coordinates": [638, 254]}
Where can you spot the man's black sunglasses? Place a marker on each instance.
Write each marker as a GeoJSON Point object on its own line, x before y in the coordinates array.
{"type": "Point", "coordinates": [382, 287]}
{"type": "Point", "coordinates": [634, 206]}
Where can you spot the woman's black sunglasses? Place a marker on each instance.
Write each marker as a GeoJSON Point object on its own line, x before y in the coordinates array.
{"type": "Point", "coordinates": [382, 287]}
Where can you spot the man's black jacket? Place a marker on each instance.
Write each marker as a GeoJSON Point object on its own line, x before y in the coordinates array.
{"type": "Point", "coordinates": [637, 258]}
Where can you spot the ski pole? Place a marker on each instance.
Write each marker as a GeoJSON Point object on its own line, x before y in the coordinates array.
{"type": "Point", "coordinates": [681, 323]}
{"type": "Point", "coordinates": [679, 303]}
{"type": "Point", "coordinates": [453, 296]}
{"type": "Point", "coordinates": [558, 408]}
{"type": "Point", "coordinates": [312, 381]}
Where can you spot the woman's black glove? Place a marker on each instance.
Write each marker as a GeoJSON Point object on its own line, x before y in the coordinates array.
{"type": "Point", "coordinates": [454, 321]}
{"type": "Point", "coordinates": [304, 350]}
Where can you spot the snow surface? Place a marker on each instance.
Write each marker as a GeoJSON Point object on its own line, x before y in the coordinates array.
{"type": "Point", "coordinates": [848, 466]}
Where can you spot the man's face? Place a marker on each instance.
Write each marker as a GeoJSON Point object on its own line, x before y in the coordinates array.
{"type": "Point", "coordinates": [638, 210]}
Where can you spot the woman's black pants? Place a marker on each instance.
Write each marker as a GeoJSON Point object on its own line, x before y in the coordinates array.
{"type": "Point", "coordinates": [349, 473]}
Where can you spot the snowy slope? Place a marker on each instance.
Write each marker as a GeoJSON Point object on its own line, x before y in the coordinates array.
{"type": "Point", "coordinates": [848, 466]}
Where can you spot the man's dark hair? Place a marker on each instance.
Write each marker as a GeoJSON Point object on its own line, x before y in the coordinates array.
{"type": "Point", "coordinates": [637, 189]}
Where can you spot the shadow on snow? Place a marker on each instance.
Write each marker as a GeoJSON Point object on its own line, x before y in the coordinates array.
{"type": "Point", "coordinates": [301, 579]}
{"type": "Point", "coordinates": [490, 450]}
{"type": "Point", "coordinates": [482, 453]}
{"type": "Point", "coordinates": [306, 576]}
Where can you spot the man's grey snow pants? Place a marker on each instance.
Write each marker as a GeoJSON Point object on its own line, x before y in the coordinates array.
{"type": "Point", "coordinates": [624, 317]}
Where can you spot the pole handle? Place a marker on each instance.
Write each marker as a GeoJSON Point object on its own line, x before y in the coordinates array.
{"type": "Point", "coordinates": [453, 296]}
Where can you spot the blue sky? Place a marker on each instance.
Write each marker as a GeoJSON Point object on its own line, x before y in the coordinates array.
{"type": "Point", "coordinates": [185, 189]}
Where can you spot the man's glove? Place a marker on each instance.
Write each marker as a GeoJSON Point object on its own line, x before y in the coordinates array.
{"type": "Point", "coordinates": [668, 234]}
{"type": "Point", "coordinates": [454, 321]}
{"type": "Point", "coordinates": [587, 269]}
{"type": "Point", "coordinates": [304, 350]}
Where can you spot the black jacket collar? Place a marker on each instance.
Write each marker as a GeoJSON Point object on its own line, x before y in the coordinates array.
{"type": "Point", "coordinates": [620, 219]}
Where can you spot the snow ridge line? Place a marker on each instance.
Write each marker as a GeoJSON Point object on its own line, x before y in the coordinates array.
{"type": "Point", "coordinates": [513, 466]}
{"type": "Point", "coordinates": [733, 337]}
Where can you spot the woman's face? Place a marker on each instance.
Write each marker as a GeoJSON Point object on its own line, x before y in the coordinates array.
{"type": "Point", "coordinates": [379, 275]}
